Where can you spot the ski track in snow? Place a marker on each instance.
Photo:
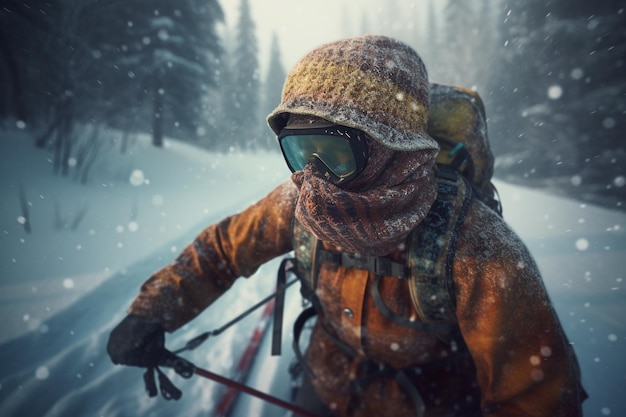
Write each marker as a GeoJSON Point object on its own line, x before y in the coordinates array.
{"type": "Point", "coordinates": [58, 312]}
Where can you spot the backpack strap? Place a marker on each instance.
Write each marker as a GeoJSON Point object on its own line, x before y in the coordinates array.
{"type": "Point", "coordinates": [306, 247]}
{"type": "Point", "coordinates": [432, 246]}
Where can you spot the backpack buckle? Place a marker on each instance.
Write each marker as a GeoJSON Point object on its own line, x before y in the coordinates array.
{"type": "Point", "coordinates": [378, 265]}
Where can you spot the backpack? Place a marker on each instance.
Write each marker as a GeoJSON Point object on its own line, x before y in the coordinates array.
{"type": "Point", "coordinates": [465, 168]}
{"type": "Point", "coordinates": [457, 120]}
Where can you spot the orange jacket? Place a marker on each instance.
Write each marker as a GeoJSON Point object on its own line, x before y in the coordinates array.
{"type": "Point", "coordinates": [519, 364]}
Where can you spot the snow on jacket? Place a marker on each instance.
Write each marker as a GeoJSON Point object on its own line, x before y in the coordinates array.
{"type": "Point", "coordinates": [519, 364]}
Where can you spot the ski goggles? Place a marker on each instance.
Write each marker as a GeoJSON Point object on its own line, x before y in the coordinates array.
{"type": "Point", "coordinates": [339, 152]}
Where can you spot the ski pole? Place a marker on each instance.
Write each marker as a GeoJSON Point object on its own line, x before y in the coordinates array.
{"type": "Point", "coordinates": [251, 391]}
{"type": "Point", "coordinates": [198, 340]}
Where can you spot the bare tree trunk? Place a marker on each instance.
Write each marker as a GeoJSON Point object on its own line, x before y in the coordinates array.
{"type": "Point", "coordinates": [94, 149]}
{"type": "Point", "coordinates": [124, 144]}
{"type": "Point", "coordinates": [86, 154]}
{"type": "Point", "coordinates": [79, 216]}
{"type": "Point", "coordinates": [58, 147]}
{"type": "Point", "coordinates": [67, 143]}
{"type": "Point", "coordinates": [81, 153]}
{"type": "Point", "coordinates": [64, 141]}
{"type": "Point", "coordinates": [43, 139]}
{"type": "Point", "coordinates": [24, 207]}
{"type": "Point", "coordinates": [157, 121]}
{"type": "Point", "coordinates": [15, 80]}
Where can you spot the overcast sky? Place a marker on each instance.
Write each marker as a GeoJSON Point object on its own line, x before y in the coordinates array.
{"type": "Point", "coordinates": [304, 24]}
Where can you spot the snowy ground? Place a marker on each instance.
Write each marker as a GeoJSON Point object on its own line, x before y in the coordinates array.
{"type": "Point", "coordinates": [64, 287]}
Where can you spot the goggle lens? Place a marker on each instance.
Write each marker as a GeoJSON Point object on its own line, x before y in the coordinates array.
{"type": "Point", "coordinates": [334, 152]}
{"type": "Point", "coordinates": [339, 152]}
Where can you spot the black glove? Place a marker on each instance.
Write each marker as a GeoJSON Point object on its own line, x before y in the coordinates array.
{"type": "Point", "coordinates": [137, 341]}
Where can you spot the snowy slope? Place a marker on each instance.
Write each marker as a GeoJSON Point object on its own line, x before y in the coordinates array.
{"type": "Point", "coordinates": [64, 289]}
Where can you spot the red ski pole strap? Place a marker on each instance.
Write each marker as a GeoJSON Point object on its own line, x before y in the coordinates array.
{"type": "Point", "coordinates": [251, 391]}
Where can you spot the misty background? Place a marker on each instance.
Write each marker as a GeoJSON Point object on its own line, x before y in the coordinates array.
{"type": "Point", "coordinates": [128, 126]}
{"type": "Point", "coordinates": [551, 73]}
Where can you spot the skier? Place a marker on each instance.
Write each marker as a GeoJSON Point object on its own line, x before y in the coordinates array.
{"type": "Point", "coordinates": [352, 127]}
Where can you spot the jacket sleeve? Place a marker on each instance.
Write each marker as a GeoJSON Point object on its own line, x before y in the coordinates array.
{"type": "Point", "coordinates": [524, 362]}
{"type": "Point", "coordinates": [224, 251]}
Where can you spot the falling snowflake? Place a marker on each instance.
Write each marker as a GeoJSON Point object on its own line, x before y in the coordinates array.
{"type": "Point", "coordinates": [137, 177]}
{"type": "Point", "coordinates": [582, 244]}
{"type": "Point", "coordinates": [609, 123]}
{"type": "Point", "coordinates": [555, 92]}
{"type": "Point", "coordinates": [157, 200]}
{"type": "Point", "coordinates": [42, 372]}
{"type": "Point", "coordinates": [577, 73]}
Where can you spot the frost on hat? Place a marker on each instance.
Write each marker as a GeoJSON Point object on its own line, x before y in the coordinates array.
{"type": "Point", "coordinates": [373, 83]}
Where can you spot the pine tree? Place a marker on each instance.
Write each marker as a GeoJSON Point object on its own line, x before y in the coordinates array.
{"type": "Point", "coordinates": [432, 46]}
{"type": "Point", "coordinates": [168, 50]}
{"type": "Point", "coordinates": [143, 65]}
{"type": "Point", "coordinates": [66, 68]}
{"type": "Point", "coordinates": [460, 40]}
{"type": "Point", "coordinates": [246, 88]}
{"type": "Point", "coordinates": [23, 29]}
{"type": "Point", "coordinates": [486, 45]}
{"type": "Point", "coordinates": [556, 97]}
{"type": "Point", "coordinates": [273, 86]}
{"type": "Point", "coordinates": [229, 106]}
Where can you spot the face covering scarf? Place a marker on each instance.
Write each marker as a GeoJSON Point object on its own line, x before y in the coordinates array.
{"type": "Point", "coordinates": [374, 213]}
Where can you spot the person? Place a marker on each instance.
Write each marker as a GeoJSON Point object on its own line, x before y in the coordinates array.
{"type": "Point", "coordinates": [352, 126]}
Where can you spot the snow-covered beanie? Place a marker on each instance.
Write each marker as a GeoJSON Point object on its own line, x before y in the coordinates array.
{"type": "Point", "coordinates": [373, 83]}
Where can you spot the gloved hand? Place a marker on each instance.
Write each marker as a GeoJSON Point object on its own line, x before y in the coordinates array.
{"type": "Point", "coordinates": [136, 341]}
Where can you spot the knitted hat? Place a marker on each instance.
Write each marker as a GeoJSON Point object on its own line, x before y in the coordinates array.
{"type": "Point", "coordinates": [373, 83]}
